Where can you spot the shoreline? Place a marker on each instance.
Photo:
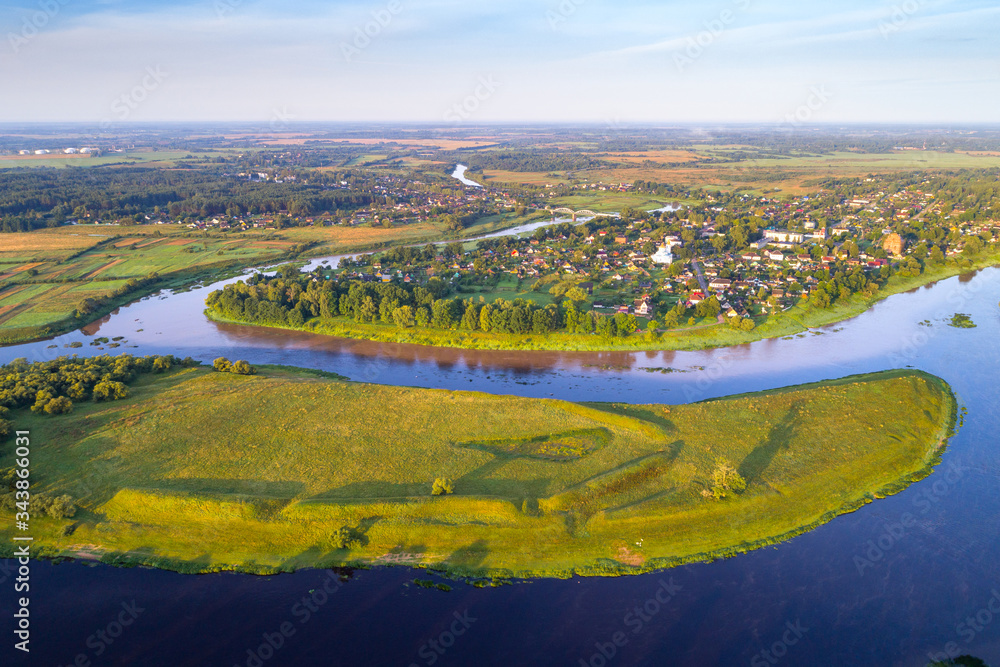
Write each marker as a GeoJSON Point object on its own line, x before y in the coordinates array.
{"type": "Point", "coordinates": [798, 319]}
{"type": "Point", "coordinates": [583, 551]}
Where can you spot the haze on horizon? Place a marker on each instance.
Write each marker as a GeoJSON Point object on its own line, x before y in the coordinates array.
{"type": "Point", "coordinates": [591, 61]}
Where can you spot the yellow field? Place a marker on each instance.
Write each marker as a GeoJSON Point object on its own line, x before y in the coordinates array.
{"type": "Point", "coordinates": [199, 470]}
{"type": "Point", "coordinates": [49, 243]}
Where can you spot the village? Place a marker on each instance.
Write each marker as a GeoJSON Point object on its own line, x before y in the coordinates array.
{"type": "Point", "coordinates": [735, 256]}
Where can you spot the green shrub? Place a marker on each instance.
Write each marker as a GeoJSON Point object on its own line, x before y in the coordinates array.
{"type": "Point", "coordinates": [346, 537]}
{"type": "Point", "coordinates": [242, 367]}
{"type": "Point", "coordinates": [109, 390]}
{"type": "Point", "coordinates": [442, 486]}
{"type": "Point", "coordinates": [58, 406]}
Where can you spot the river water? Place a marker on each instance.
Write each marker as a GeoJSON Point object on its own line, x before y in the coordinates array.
{"type": "Point", "coordinates": [459, 173]}
{"type": "Point", "coordinates": [902, 578]}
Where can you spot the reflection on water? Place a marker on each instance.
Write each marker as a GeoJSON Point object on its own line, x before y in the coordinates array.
{"type": "Point", "coordinates": [904, 602]}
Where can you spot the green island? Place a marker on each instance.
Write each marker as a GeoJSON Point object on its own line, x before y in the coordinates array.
{"type": "Point", "coordinates": [187, 468]}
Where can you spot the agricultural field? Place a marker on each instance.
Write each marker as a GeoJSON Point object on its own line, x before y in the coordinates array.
{"type": "Point", "coordinates": [697, 167]}
{"type": "Point", "coordinates": [260, 472]}
{"type": "Point", "coordinates": [145, 157]}
{"type": "Point", "coordinates": [45, 274]}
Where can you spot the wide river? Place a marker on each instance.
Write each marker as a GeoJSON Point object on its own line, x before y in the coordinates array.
{"type": "Point", "coordinates": [903, 578]}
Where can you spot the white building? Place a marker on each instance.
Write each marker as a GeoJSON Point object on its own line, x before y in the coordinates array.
{"type": "Point", "coordinates": [783, 236]}
{"type": "Point", "coordinates": [663, 255]}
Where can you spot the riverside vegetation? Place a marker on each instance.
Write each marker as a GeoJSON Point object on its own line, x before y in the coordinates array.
{"type": "Point", "coordinates": [197, 470]}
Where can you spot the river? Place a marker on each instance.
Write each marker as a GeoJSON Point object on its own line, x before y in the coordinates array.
{"type": "Point", "coordinates": [887, 585]}
{"type": "Point", "coordinates": [459, 173]}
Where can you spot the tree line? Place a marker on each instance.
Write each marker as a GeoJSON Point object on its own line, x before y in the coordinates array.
{"type": "Point", "coordinates": [293, 298]}
{"type": "Point", "coordinates": [36, 198]}
{"type": "Point", "coordinates": [51, 387]}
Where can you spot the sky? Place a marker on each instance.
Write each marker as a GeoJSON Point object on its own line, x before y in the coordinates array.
{"type": "Point", "coordinates": [458, 62]}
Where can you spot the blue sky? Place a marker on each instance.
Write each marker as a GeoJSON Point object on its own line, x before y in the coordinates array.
{"type": "Point", "coordinates": [624, 62]}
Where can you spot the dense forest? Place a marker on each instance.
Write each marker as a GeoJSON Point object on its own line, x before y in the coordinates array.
{"type": "Point", "coordinates": [536, 159]}
{"type": "Point", "coordinates": [293, 298]}
{"type": "Point", "coordinates": [36, 198]}
{"type": "Point", "coordinates": [52, 386]}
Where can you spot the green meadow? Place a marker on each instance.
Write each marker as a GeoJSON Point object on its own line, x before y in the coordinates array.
{"type": "Point", "coordinates": [201, 471]}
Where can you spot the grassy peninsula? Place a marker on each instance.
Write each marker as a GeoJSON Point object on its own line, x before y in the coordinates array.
{"type": "Point", "coordinates": [199, 470]}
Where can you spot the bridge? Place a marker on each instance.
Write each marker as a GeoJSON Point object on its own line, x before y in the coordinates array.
{"type": "Point", "coordinates": [586, 211]}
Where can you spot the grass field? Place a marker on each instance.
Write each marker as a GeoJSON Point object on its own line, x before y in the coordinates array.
{"type": "Point", "coordinates": [68, 264]}
{"type": "Point", "coordinates": [200, 471]}
{"type": "Point", "coordinates": [145, 157]}
{"type": "Point", "coordinates": [795, 175]}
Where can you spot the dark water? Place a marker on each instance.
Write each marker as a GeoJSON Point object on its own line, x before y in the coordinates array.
{"type": "Point", "coordinates": [888, 585]}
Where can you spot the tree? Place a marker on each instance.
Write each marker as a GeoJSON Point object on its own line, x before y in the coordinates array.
{"type": "Point", "coordinates": [651, 331]}
{"type": "Point", "coordinates": [109, 390]}
{"type": "Point", "coordinates": [222, 365]}
{"type": "Point", "coordinates": [62, 507]}
{"type": "Point", "coordinates": [442, 486]}
{"type": "Point", "coordinates": [820, 299]}
{"type": "Point", "coordinates": [42, 397]}
{"type": "Point", "coordinates": [726, 479]}
{"type": "Point", "coordinates": [973, 246]}
{"type": "Point", "coordinates": [403, 316]}
{"type": "Point", "coordinates": [367, 311]}
{"type": "Point", "coordinates": [606, 327]}
{"type": "Point", "coordinates": [708, 307]}
{"type": "Point", "coordinates": [242, 367]}
{"type": "Point", "coordinates": [576, 294]}
{"type": "Point", "coordinates": [58, 406]}
{"type": "Point", "coordinates": [625, 325]}
{"type": "Point", "coordinates": [442, 314]}
{"type": "Point", "coordinates": [347, 538]}
{"type": "Point", "coordinates": [470, 318]}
